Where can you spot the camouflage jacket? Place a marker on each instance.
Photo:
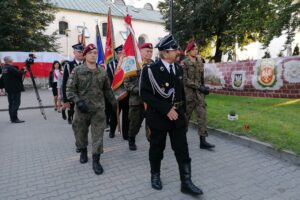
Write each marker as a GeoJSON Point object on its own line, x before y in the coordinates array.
{"type": "Point", "coordinates": [131, 84]}
{"type": "Point", "coordinates": [193, 77]}
{"type": "Point", "coordinates": [90, 85]}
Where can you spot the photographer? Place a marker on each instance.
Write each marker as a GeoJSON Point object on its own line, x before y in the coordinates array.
{"type": "Point", "coordinates": [195, 91]}
{"type": "Point", "coordinates": [14, 86]}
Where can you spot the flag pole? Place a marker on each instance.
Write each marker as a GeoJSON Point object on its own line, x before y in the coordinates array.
{"type": "Point", "coordinates": [111, 3]}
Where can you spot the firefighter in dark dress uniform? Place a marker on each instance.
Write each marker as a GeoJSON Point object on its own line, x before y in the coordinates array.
{"type": "Point", "coordinates": [123, 103]}
{"type": "Point", "coordinates": [68, 68]}
{"type": "Point", "coordinates": [163, 91]}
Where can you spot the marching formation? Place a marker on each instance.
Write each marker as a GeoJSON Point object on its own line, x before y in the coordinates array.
{"type": "Point", "coordinates": [165, 92]}
{"type": "Point", "coordinates": [92, 95]}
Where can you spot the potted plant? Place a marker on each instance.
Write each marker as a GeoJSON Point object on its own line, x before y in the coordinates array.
{"type": "Point", "coordinates": [232, 115]}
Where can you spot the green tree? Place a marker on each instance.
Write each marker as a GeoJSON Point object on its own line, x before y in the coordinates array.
{"type": "Point", "coordinates": [267, 55]}
{"type": "Point", "coordinates": [280, 54]}
{"type": "Point", "coordinates": [23, 25]}
{"type": "Point", "coordinates": [225, 22]}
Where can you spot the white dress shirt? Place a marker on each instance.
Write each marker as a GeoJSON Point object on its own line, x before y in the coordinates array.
{"type": "Point", "coordinates": [167, 65]}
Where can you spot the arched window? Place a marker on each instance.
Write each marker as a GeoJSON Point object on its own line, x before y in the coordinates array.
{"type": "Point", "coordinates": [104, 29]}
{"type": "Point", "coordinates": [120, 2]}
{"type": "Point", "coordinates": [148, 6]}
{"type": "Point", "coordinates": [62, 27]}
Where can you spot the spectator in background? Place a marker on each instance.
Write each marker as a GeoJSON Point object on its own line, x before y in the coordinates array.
{"type": "Point", "coordinates": [13, 82]}
{"type": "Point", "coordinates": [59, 90]}
{"type": "Point", "coordinates": [54, 77]}
{"type": "Point", "coordinates": [2, 91]}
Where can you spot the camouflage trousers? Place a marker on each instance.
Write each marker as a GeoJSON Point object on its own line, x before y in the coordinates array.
{"type": "Point", "coordinates": [81, 124]}
{"type": "Point", "coordinates": [199, 106]}
{"type": "Point", "coordinates": [136, 116]}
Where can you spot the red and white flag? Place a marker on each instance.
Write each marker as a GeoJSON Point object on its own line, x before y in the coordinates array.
{"type": "Point", "coordinates": [42, 64]}
{"type": "Point", "coordinates": [132, 59]}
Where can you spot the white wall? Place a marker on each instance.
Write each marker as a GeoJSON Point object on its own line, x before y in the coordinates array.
{"type": "Point", "coordinates": [255, 50]}
{"type": "Point", "coordinates": [152, 30]}
{"type": "Point", "coordinates": [141, 3]}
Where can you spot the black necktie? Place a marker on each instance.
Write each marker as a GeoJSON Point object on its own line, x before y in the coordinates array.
{"type": "Point", "coordinates": [172, 71]}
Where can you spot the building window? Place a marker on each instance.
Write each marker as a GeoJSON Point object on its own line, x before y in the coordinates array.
{"type": "Point", "coordinates": [104, 29]}
{"type": "Point", "coordinates": [141, 40]}
{"type": "Point", "coordinates": [120, 2]}
{"type": "Point", "coordinates": [148, 6]}
{"type": "Point", "coordinates": [62, 27]}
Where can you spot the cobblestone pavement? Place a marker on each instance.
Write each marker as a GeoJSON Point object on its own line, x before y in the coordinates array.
{"type": "Point", "coordinates": [38, 161]}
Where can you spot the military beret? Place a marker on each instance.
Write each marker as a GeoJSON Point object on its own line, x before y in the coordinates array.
{"type": "Point", "coordinates": [146, 45]}
{"type": "Point", "coordinates": [88, 48]}
{"type": "Point", "coordinates": [191, 45]}
{"type": "Point", "coordinates": [119, 48]}
{"type": "Point", "coordinates": [167, 43]}
{"type": "Point", "coordinates": [78, 47]}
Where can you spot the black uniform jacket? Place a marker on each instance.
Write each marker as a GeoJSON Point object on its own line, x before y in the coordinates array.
{"type": "Point", "coordinates": [12, 78]}
{"type": "Point", "coordinates": [68, 68]}
{"type": "Point", "coordinates": [158, 106]}
{"type": "Point", "coordinates": [110, 70]}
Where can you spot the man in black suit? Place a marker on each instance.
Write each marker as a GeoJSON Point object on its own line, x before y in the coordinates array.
{"type": "Point", "coordinates": [163, 91]}
{"type": "Point", "coordinates": [12, 78]}
{"type": "Point", "coordinates": [123, 103]}
{"type": "Point", "coordinates": [68, 68]}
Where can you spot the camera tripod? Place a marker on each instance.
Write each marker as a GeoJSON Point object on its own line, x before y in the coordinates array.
{"type": "Point", "coordinates": [28, 64]}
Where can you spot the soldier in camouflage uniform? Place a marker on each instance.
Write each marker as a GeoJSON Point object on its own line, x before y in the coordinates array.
{"type": "Point", "coordinates": [87, 86]}
{"type": "Point", "coordinates": [195, 97]}
{"type": "Point", "coordinates": [136, 105]}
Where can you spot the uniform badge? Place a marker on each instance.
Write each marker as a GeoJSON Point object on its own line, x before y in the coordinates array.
{"type": "Point", "coordinates": [167, 84]}
{"type": "Point", "coordinates": [162, 68]}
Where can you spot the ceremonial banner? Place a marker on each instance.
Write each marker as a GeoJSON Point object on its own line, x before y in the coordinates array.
{"type": "Point", "coordinates": [133, 59]}
{"type": "Point", "coordinates": [110, 43]}
{"type": "Point", "coordinates": [100, 59]}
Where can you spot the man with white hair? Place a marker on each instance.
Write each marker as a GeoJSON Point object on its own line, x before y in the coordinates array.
{"type": "Point", "coordinates": [12, 77]}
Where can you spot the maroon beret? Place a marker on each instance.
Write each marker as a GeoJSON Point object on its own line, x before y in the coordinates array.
{"type": "Point", "coordinates": [146, 45]}
{"type": "Point", "coordinates": [191, 45]}
{"type": "Point", "coordinates": [88, 48]}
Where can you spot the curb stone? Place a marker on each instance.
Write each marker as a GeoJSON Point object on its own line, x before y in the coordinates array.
{"type": "Point", "coordinates": [285, 155]}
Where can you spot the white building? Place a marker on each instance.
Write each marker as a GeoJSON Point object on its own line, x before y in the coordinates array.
{"type": "Point", "coordinates": [147, 22]}
{"type": "Point", "coordinates": [73, 15]}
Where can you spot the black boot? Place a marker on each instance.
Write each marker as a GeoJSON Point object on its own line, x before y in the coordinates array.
{"type": "Point", "coordinates": [69, 117]}
{"type": "Point", "coordinates": [83, 156]}
{"type": "Point", "coordinates": [111, 134]}
{"type": "Point", "coordinates": [155, 175]}
{"type": "Point", "coordinates": [17, 121]}
{"type": "Point", "coordinates": [63, 114]}
{"type": "Point", "coordinates": [131, 142]}
{"type": "Point", "coordinates": [96, 164]}
{"type": "Point", "coordinates": [204, 144]}
{"type": "Point", "coordinates": [77, 149]}
{"type": "Point", "coordinates": [187, 186]}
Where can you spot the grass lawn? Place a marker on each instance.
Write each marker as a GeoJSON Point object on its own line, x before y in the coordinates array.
{"type": "Point", "coordinates": [272, 120]}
